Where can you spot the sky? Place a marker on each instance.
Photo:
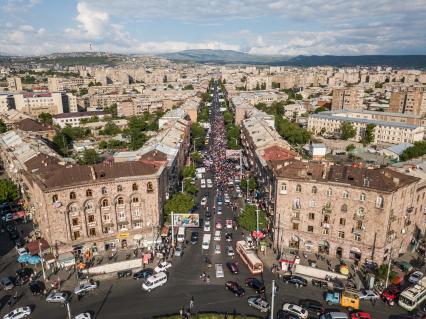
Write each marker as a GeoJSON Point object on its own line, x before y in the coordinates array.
{"type": "Point", "coordinates": [266, 27]}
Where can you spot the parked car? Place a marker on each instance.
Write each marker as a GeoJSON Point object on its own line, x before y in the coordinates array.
{"type": "Point", "coordinates": [295, 280]}
{"type": "Point", "coordinates": [179, 250]}
{"type": "Point", "coordinates": [18, 313]}
{"type": "Point", "coordinates": [85, 288]}
{"type": "Point", "coordinates": [219, 271]}
{"type": "Point", "coordinates": [229, 224]}
{"type": "Point", "coordinates": [37, 287]}
{"type": "Point", "coordinates": [203, 201]}
{"type": "Point", "coordinates": [207, 226]}
{"type": "Point", "coordinates": [84, 315]}
{"type": "Point", "coordinates": [258, 303]}
{"type": "Point", "coordinates": [360, 315]}
{"type": "Point", "coordinates": [58, 297]}
{"type": "Point", "coordinates": [415, 277]}
{"type": "Point", "coordinates": [7, 283]}
{"type": "Point", "coordinates": [194, 237]}
{"type": "Point", "coordinates": [281, 314]}
{"type": "Point", "coordinates": [368, 295]}
{"type": "Point", "coordinates": [218, 224]}
{"type": "Point", "coordinates": [390, 295]}
{"type": "Point", "coordinates": [233, 268]}
{"type": "Point", "coordinates": [235, 288]}
{"type": "Point", "coordinates": [143, 273]}
{"type": "Point", "coordinates": [230, 251]}
{"type": "Point", "coordinates": [228, 236]}
{"type": "Point", "coordinates": [162, 266]}
{"type": "Point", "coordinates": [217, 250]}
{"type": "Point", "coordinates": [23, 275]}
{"type": "Point", "coordinates": [313, 307]}
{"type": "Point", "coordinates": [208, 215]}
{"type": "Point", "coordinates": [295, 310]}
{"type": "Point", "coordinates": [255, 284]}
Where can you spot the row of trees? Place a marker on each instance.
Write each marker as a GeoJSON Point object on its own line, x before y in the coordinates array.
{"type": "Point", "coordinates": [418, 149]}
{"type": "Point", "coordinates": [348, 131]}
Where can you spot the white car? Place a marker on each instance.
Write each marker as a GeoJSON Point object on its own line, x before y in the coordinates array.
{"type": "Point", "coordinates": [203, 183]}
{"type": "Point", "coordinates": [85, 288]}
{"type": "Point", "coordinates": [209, 183]}
{"type": "Point", "coordinates": [230, 251]}
{"type": "Point", "coordinates": [21, 250]}
{"type": "Point", "coordinates": [217, 250]}
{"type": "Point", "coordinates": [216, 236]}
{"type": "Point", "coordinates": [415, 277]}
{"type": "Point", "coordinates": [368, 295]}
{"type": "Point", "coordinates": [57, 297]}
{"type": "Point", "coordinates": [8, 217]}
{"type": "Point", "coordinates": [219, 270]}
{"type": "Point", "coordinates": [258, 303]}
{"type": "Point", "coordinates": [84, 315]}
{"type": "Point", "coordinates": [219, 210]}
{"type": "Point", "coordinates": [207, 226]}
{"type": "Point", "coordinates": [227, 200]}
{"type": "Point", "coordinates": [162, 266]}
{"type": "Point", "coordinates": [295, 310]}
{"type": "Point", "coordinates": [179, 250]}
{"type": "Point", "coordinates": [203, 201]}
{"type": "Point", "coordinates": [18, 313]}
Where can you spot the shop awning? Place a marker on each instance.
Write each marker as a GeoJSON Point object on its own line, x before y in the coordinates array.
{"type": "Point", "coordinates": [34, 247]}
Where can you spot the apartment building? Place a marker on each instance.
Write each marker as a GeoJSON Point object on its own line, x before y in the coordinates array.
{"type": "Point", "coordinates": [343, 211]}
{"type": "Point", "coordinates": [57, 84]}
{"type": "Point", "coordinates": [14, 84]}
{"type": "Point", "coordinates": [347, 98]}
{"type": "Point", "coordinates": [411, 100]}
{"type": "Point", "coordinates": [53, 103]}
{"type": "Point", "coordinates": [74, 118]}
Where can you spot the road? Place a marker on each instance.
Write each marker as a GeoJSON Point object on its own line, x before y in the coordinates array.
{"type": "Point", "coordinates": [125, 299]}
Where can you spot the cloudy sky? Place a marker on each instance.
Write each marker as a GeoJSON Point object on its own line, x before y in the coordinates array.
{"type": "Point", "coordinates": [288, 27]}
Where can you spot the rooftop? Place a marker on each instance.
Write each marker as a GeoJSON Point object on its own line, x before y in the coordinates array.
{"type": "Point", "coordinates": [79, 114]}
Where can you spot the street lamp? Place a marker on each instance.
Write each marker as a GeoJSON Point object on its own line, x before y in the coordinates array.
{"type": "Point", "coordinates": [257, 226]}
{"type": "Point", "coordinates": [173, 231]}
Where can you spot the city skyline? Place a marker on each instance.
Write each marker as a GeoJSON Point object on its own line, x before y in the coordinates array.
{"type": "Point", "coordinates": [258, 27]}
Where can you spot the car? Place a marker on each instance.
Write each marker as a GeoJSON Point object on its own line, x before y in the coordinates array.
{"type": "Point", "coordinates": [207, 226]}
{"type": "Point", "coordinates": [313, 307]}
{"type": "Point", "coordinates": [7, 217]}
{"type": "Point", "coordinates": [37, 287]}
{"type": "Point", "coordinates": [219, 271]}
{"type": "Point", "coordinates": [295, 310]}
{"type": "Point", "coordinates": [23, 274]}
{"type": "Point", "coordinates": [360, 315]}
{"type": "Point", "coordinates": [218, 224]}
{"type": "Point", "coordinates": [368, 295]}
{"type": "Point", "coordinates": [179, 250]}
{"type": "Point", "coordinates": [217, 236]}
{"type": "Point", "coordinates": [233, 268]}
{"type": "Point", "coordinates": [21, 250]}
{"type": "Point", "coordinates": [285, 315]}
{"type": "Point", "coordinates": [217, 250]}
{"type": "Point", "coordinates": [415, 277]}
{"type": "Point", "coordinates": [227, 200]}
{"type": "Point", "coordinates": [203, 183]}
{"type": "Point", "coordinates": [219, 201]}
{"type": "Point", "coordinates": [390, 295]}
{"type": "Point", "coordinates": [162, 266]}
{"type": "Point", "coordinates": [58, 297]}
{"type": "Point", "coordinates": [203, 201]}
{"type": "Point", "coordinates": [258, 303]}
{"type": "Point", "coordinates": [13, 235]}
{"type": "Point", "coordinates": [255, 284]}
{"type": "Point", "coordinates": [85, 288]}
{"type": "Point", "coordinates": [229, 224]}
{"type": "Point", "coordinates": [143, 273]}
{"type": "Point", "coordinates": [295, 280]}
{"type": "Point", "coordinates": [235, 288]}
{"type": "Point", "coordinates": [249, 241]}
{"type": "Point", "coordinates": [84, 315]}
{"type": "Point", "coordinates": [18, 313]}
{"type": "Point", "coordinates": [230, 251]}
{"type": "Point", "coordinates": [219, 210]}
{"type": "Point", "coordinates": [194, 237]}
{"type": "Point", "coordinates": [7, 283]}
{"type": "Point", "coordinates": [228, 236]}
{"type": "Point", "coordinates": [208, 215]}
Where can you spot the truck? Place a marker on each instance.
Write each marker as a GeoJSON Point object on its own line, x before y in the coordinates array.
{"type": "Point", "coordinates": [206, 241]}
{"type": "Point", "coordinates": [348, 298]}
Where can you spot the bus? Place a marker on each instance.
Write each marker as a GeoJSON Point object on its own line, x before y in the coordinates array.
{"type": "Point", "coordinates": [248, 255]}
{"type": "Point", "coordinates": [413, 296]}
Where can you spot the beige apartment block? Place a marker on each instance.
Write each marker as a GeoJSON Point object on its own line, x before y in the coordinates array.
{"type": "Point", "coordinates": [344, 211]}
{"type": "Point", "coordinates": [347, 98]}
{"type": "Point", "coordinates": [14, 84]}
{"type": "Point", "coordinates": [409, 101]}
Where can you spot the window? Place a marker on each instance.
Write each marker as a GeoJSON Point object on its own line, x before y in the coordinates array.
{"type": "Point", "coordinates": [362, 197]}
{"type": "Point", "coordinates": [106, 218]}
{"type": "Point", "coordinates": [76, 235]}
{"type": "Point", "coordinates": [295, 226]}
{"type": "Point", "coordinates": [88, 193]}
{"type": "Point", "coordinates": [314, 189]}
{"type": "Point", "coordinates": [92, 232]}
{"type": "Point", "coordinates": [91, 218]}
{"type": "Point", "coordinates": [104, 190]}
{"type": "Point", "coordinates": [311, 216]}
{"type": "Point", "coordinates": [121, 215]}
{"type": "Point", "coordinates": [342, 221]}
{"type": "Point", "coordinates": [149, 187]}
{"type": "Point", "coordinates": [344, 208]}
{"type": "Point", "coordinates": [283, 188]}
{"type": "Point", "coordinates": [119, 188]}
{"type": "Point", "coordinates": [326, 219]}
{"type": "Point", "coordinates": [341, 234]}
{"type": "Point", "coordinates": [359, 225]}
{"type": "Point", "coordinates": [88, 205]}
{"type": "Point", "coordinates": [135, 187]}
{"type": "Point", "coordinates": [135, 199]}
{"type": "Point", "coordinates": [361, 211]}
{"type": "Point", "coordinates": [380, 202]}
{"type": "Point", "coordinates": [296, 203]}
{"type": "Point", "coordinates": [325, 231]}
{"type": "Point", "coordinates": [312, 203]}
{"type": "Point", "coordinates": [329, 192]}
{"type": "Point", "coordinates": [345, 195]}
{"type": "Point", "coordinates": [357, 237]}
{"type": "Point", "coordinates": [327, 205]}
{"type": "Point", "coordinates": [122, 227]}
{"type": "Point", "coordinates": [54, 198]}
{"type": "Point", "coordinates": [298, 188]}
{"type": "Point", "coordinates": [75, 221]}
{"type": "Point", "coordinates": [72, 195]}
{"type": "Point", "coordinates": [120, 201]}
{"type": "Point", "coordinates": [311, 229]}
{"type": "Point", "coordinates": [137, 224]}
{"type": "Point", "coordinates": [105, 202]}
{"type": "Point", "coordinates": [73, 208]}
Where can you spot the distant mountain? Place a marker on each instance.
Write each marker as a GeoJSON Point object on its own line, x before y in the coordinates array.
{"type": "Point", "coordinates": [235, 57]}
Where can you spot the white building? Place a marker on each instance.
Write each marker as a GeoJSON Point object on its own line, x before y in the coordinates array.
{"type": "Point", "coordinates": [73, 119]}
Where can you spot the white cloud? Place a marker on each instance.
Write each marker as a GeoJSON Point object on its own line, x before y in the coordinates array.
{"type": "Point", "coordinates": [17, 6]}
{"type": "Point", "coordinates": [93, 23]}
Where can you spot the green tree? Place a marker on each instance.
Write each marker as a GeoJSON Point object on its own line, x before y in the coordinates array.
{"type": "Point", "coordinates": [347, 130]}
{"type": "Point", "coordinates": [321, 109]}
{"type": "Point", "coordinates": [45, 118]}
{"type": "Point", "coordinates": [90, 157]}
{"type": "Point", "coordinates": [9, 192]}
{"type": "Point", "coordinates": [350, 148]}
{"type": "Point", "coordinates": [251, 184]}
{"type": "Point", "coordinates": [196, 157]}
{"type": "Point", "coordinates": [62, 143]}
{"type": "Point", "coordinates": [368, 137]}
{"type": "Point", "coordinates": [228, 117]}
{"type": "Point", "coordinates": [198, 135]}
{"type": "Point", "coordinates": [110, 129]}
{"type": "Point", "coordinates": [179, 203]}
{"type": "Point", "coordinates": [83, 91]}
{"type": "Point", "coordinates": [418, 149]}
{"type": "Point", "coordinates": [247, 219]}
{"type": "Point", "coordinates": [378, 85]}
{"type": "Point", "coordinates": [189, 186]}
{"type": "Point", "coordinates": [188, 87]}
{"type": "Point", "coordinates": [257, 88]}
{"type": "Point", "coordinates": [112, 109]}
{"type": "Point", "coordinates": [188, 171]}
{"type": "Point", "coordinates": [292, 132]}
{"type": "Point", "coordinates": [3, 127]}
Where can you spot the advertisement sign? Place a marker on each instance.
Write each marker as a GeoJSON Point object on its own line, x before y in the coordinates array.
{"type": "Point", "coordinates": [186, 220]}
{"type": "Point", "coordinates": [234, 154]}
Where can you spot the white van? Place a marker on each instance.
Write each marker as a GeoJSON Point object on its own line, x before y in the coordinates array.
{"type": "Point", "coordinates": [219, 270]}
{"type": "Point", "coordinates": [206, 241]}
{"type": "Point", "coordinates": [155, 281]}
{"type": "Point", "coordinates": [181, 235]}
{"type": "Point", "coordinates": [216, 235]}
{"type": "Point", "coordinates": [334, 315]}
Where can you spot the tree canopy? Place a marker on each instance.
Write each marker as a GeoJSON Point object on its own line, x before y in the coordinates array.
{"type": "Point", "coordinates": [347, 130]}
{"type": "Point", "coordinates": [418, 149]}
{"type": "Point", "coordinates": [198, 134]}
{"type": "Point", "coordinates": [179, 203]}
{"type": "Point", "coordinates": [368, 137]}
{"type": "Point", "coordinates": [9, 192]}
{"type": "Point", "coordinates": [90, 157]}
{"type": "Point", "coordinates": [251, 184]}
{"type": "Point", "coordinates": [247, 218]}
{"type": "Point", "coordinates": [3, 127]}
{"type": "Point", "coordinates": [45, 118]}
{"type": "Point", "coordinates": [188, 171]}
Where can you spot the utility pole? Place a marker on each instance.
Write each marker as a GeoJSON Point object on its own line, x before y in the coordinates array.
{"type": "Point", "coordinates": [173, 231]}
{"type": "Point", "coordinates": [68, 310]}
{"type": "Point", "coordinates": [257, 226]}
{"type": "Point", "coordinates": [273, 299]}
{"type": "Point", "coordinates": [241, 165]}
{"type": "Point", "coordinates": [42, 261]}
{"type": "Point", "coordinates": [389, 266]}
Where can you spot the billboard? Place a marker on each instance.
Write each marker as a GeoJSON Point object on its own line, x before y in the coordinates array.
{"type": "Point", "coordinates": [233, 154]}
{"type": "Point", "coordinates": [186, 220]}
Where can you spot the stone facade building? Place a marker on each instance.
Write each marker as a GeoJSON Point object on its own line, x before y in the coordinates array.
{"type": "Point", "coordinates": [344, 211]}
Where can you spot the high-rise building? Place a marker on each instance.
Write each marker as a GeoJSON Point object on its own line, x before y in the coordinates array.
{"type": "Point", "coordinates": [347, 98]}
{"type": "Point", "coordinates": [411, 101]}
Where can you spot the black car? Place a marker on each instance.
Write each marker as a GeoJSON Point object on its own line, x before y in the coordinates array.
{"type": "Point", "coordinates": [228, 236]}
{"type": "Point", "coordinates": [194, 237]}
{"type": "Point", "coordinates": [23, 275]}
{"type": "Point", "coordinates": [233, 268]}
{"type": "Point", "coordinates": [208, 215]}
{"type": "Point", "coordinates": [281, 314]}
{"type": "Point", "coordinates": [256, 284]}
{"type": "Point", "coordinates": [235, 288]}
{"type": "Point", "coordinates": [143, 274]}
{"type": "Point", "coordinates": [37, 287]}
{"type": "Point", "coordinates": [13, 235]}
{"type": "Point", "coordinates": [314, 307]}
{"type": "Point", "coordinates": [295, 280]}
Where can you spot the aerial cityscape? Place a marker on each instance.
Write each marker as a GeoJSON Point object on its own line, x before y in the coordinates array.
{"type": "Point", "coordinates": [212, 159]}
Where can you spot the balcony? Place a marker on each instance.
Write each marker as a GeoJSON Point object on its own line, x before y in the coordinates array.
{"type": "Point", "coordinates": [410, 210]}
{"type": "Point", "coordinates": [120, 206]}
{"type": "Point", "coordinates": [137, 204]}
{"type": "Point", "coordinates": [105, 208]}
{"type": "Point", "coordinates": [358, 231]}
{"type": "Point", "coordinates": [76, 227]}
{"type": "Point", "coordinates": [296, 207]}
{"type": "Point", "coordinates": [295, 219]}
{"type": "Point", "coordinates": [359, 217]}
{"type": "Point", "coordinates": [325, 225]}
{"type": "Point", "coordinates": [327, 210]}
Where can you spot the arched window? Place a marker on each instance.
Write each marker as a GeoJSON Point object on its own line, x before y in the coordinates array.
{"type": "Point", "coordinates": [119, 188]}
{"type": "Point", "coordinates": [120, 201]}
{"type": "Point", "coordinates": [72, 195]}
{"type": "Point", "coordinates": [135, 187]}
{"type": "Point", "coordinates": [344, 208]}
{"type": "Point", "coordinates": [135, 199]}
{"type": "Point", "coordinates": [283, 188]}
{"type": "Point", "coordinates": [314, 189]}
{"type": "Point", "coordinates": [362, 197]}
{"type": "Point", "coordinates": [296, 203]}
{"type": "Point", "coordinates": [104, 190]}
{"type": "Point", "coordinates": [380, 202]}
{"type": "Point", "coordinates": [54, 198]}
{"type": "Point", "coordinates": [312, 203]}
{"type": "Point", "coordinates": [149, 187]}
{"type": "Point", "coordinates": [345, 195]}
{"type": "Point", "coordinates": [105, 202]}
{"type": "Point", "coordinates": [73, 208]}
{"type": "Point", "coordinates": [327, 205]}
{"type": "Point", "coordinates": [89, 205]}
{"type": "Point", "coordinates": [88, 193]}
{"type": "Point", "coordinates": [329, 192]}
{"type": "Point", "coordinates": [298, 188]}
{"type": "Point", "coordinates": [361, 211]}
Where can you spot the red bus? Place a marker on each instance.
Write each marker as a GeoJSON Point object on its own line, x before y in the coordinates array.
{"type": "Point", "coordinates": [248, 255]}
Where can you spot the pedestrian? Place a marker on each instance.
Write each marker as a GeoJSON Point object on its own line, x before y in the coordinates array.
{"type": "Point", "coordinates": [191, 303]}
{"type": "Point", "coordinates": [181, 311]}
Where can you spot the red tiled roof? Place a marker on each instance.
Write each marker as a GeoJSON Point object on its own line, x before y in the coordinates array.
{"type": "Point", "coordinates": [276, 152]}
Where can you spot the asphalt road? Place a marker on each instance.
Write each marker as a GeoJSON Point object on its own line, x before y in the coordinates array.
{"type": "Point", "coordinates": [125, 298]}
